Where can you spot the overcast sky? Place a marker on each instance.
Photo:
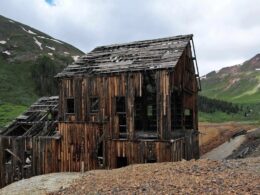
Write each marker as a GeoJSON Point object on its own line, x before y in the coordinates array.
{"type": "Point", "coordinates": [226, 32]}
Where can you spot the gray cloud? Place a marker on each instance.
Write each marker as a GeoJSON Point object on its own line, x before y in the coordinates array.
{"type": "Point", "coordinates": [225, 32]}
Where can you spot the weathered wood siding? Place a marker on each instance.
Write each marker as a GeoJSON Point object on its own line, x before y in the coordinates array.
{"type": "Point", "coordinates": [78, 146]}
{"type": "Point", "coordinates": [129, 85]}
{"type": "Point", "coordinates": [43, 153]}
{"type": "Point", "coordinates": [144, 151]}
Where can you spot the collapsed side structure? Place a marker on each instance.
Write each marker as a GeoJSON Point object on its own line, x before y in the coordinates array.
{"type": "Point", "coordinates": [118, 105]}
{"type": "Point", "coordinates": [28, 146]}
{"type": "Point", "coordinates": [130, 103]}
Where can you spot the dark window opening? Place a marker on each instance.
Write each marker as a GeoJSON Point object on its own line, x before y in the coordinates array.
{"type": "Point", "coordinates": [145, 106]}
{"type": "Point", "coordinates": [122, 122]}
{"type": "Point", "coordinates": [151, 161]}
{"type": "Point", "coordinates": [121, 113]}
{"type": "Point", "coordinates": [121, 162]}
{"type": "Point", "coordinates": [138, 113]}
{"type": "Point", "coordinates": [94, 104]}
{"type": "Point", "coordinates": [28, 157]}
{"type": "Point", "coordinates": [120, 104]}
{"type": "Point", "coordinates": [70, 106]}
{"type": "Point", "coordinates": [7, 158]}
{"type": "Point", "coordinates": [100, 155]}
{"type": "Point", "coordinates": [188, 118]}
{"type": "Point", "coordinates": [176, 110]}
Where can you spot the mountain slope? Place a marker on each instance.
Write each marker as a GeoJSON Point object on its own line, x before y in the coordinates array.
{"type": "Point", "coordinates": [28, 61]}
{"type": "Point", "coordinates": [238, 84]}
{"type": "Point", "coordinates": [23, 43]}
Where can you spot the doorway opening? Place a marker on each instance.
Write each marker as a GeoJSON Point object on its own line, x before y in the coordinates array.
{"type": "Point", "coordinates": [121, 162]}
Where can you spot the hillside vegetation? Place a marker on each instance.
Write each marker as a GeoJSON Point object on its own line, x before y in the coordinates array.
{"type": "Point", "coordinates": [239, 84]}
{"type": "Point", "coordinates": [28, 61]}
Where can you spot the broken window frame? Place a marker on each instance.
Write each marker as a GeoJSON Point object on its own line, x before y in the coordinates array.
{"type": "Point", "coordinates": [121, 113]}
{"type": "Point", "coordinates": [188, 115]}
{"type": "Point", "coordinates": [176, 110]}
{"type": "Point", "coordinates": [94, 105]}
{"type": "Point", "coordinates": [145, 106]}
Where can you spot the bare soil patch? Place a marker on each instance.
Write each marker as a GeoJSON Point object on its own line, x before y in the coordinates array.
{"type": "Point", "coordinates": [215, 134]}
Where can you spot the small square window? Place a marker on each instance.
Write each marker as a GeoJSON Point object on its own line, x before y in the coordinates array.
{"type": "Point", "coordinates": [70, 105]}
{"type": "Point", "coordinates": [94, 104]}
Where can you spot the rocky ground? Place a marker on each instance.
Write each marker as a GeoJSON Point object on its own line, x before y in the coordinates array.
{"type": "Point", "coordinates": [185, 177]}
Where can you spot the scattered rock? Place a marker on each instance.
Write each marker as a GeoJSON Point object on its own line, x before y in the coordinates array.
{"type": "Point", "coordinates": [186, 177]}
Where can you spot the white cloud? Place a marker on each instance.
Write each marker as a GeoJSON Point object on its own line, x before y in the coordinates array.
{"type": "Point", "coordinates": [225, 32]}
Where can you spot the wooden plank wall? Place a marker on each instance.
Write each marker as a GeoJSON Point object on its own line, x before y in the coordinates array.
{"type": "Point", "coordinates": [107, 89]}
{"type": "Point", "coordinates": [43, 152]}
{"type": "Point", "coordinates": [143, 151]}
{"type": "Point", "coordinates": [78, 146]}
{"type": "Point", "coordinates": [45, 155]}
{"type": "Point", "coordinates": [13, 170]}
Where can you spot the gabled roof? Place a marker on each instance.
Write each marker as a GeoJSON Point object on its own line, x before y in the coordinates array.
{"type": "Point", "coordinates": [135, 56]}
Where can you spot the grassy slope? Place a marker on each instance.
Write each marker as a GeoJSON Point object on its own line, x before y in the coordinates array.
{"type": "Point", "coordinates": [8, 111]}
{"type": "Point", "coordinates": [16, 90]}
{"type": "Point", "coordinates": [245, 91]}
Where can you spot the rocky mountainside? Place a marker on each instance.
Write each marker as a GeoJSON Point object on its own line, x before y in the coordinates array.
{"type": "Point", "coordinates": [238, 83]}
{"type": "Point", "coordinates": [28, 61]}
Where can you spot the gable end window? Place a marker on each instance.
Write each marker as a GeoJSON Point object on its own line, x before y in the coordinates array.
{"type": "Point", "coordinates": [70, 106]}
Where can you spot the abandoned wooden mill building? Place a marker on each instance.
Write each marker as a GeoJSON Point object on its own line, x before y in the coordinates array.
{"type": "Point", "coordinates": [118, 105]}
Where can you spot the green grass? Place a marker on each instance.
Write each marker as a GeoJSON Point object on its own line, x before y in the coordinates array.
{"type": "Point", "coordinates": [16, 85]}
{"type": "Point", "coordinates": [16, 90]}
{"type": "Point", "coordinates": [218, 117]}
{"type": "Point", "coordinates": [9, 111]}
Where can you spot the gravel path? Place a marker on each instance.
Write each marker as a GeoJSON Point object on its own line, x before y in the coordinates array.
{"type": "Point", "coordinates": [41, 184]}
{"type": "Point", "coordinates": [185, 177]}
{"type": "Point", "coordinates": [226, 149]}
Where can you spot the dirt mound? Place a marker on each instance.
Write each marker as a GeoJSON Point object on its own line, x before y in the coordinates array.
{"type": "Point", "coordinates": [185, 177]}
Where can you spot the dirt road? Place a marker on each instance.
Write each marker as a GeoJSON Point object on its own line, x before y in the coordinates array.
{"type": "Point", "coordinates": [215, 134]}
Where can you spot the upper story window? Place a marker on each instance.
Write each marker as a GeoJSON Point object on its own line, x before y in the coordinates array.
{"type": "Point", "coordinates": [70, 106]}
{"type": "Point", "coordinates": [120, 104]}
{"type": "Point", "coordinates": [94, 104]}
